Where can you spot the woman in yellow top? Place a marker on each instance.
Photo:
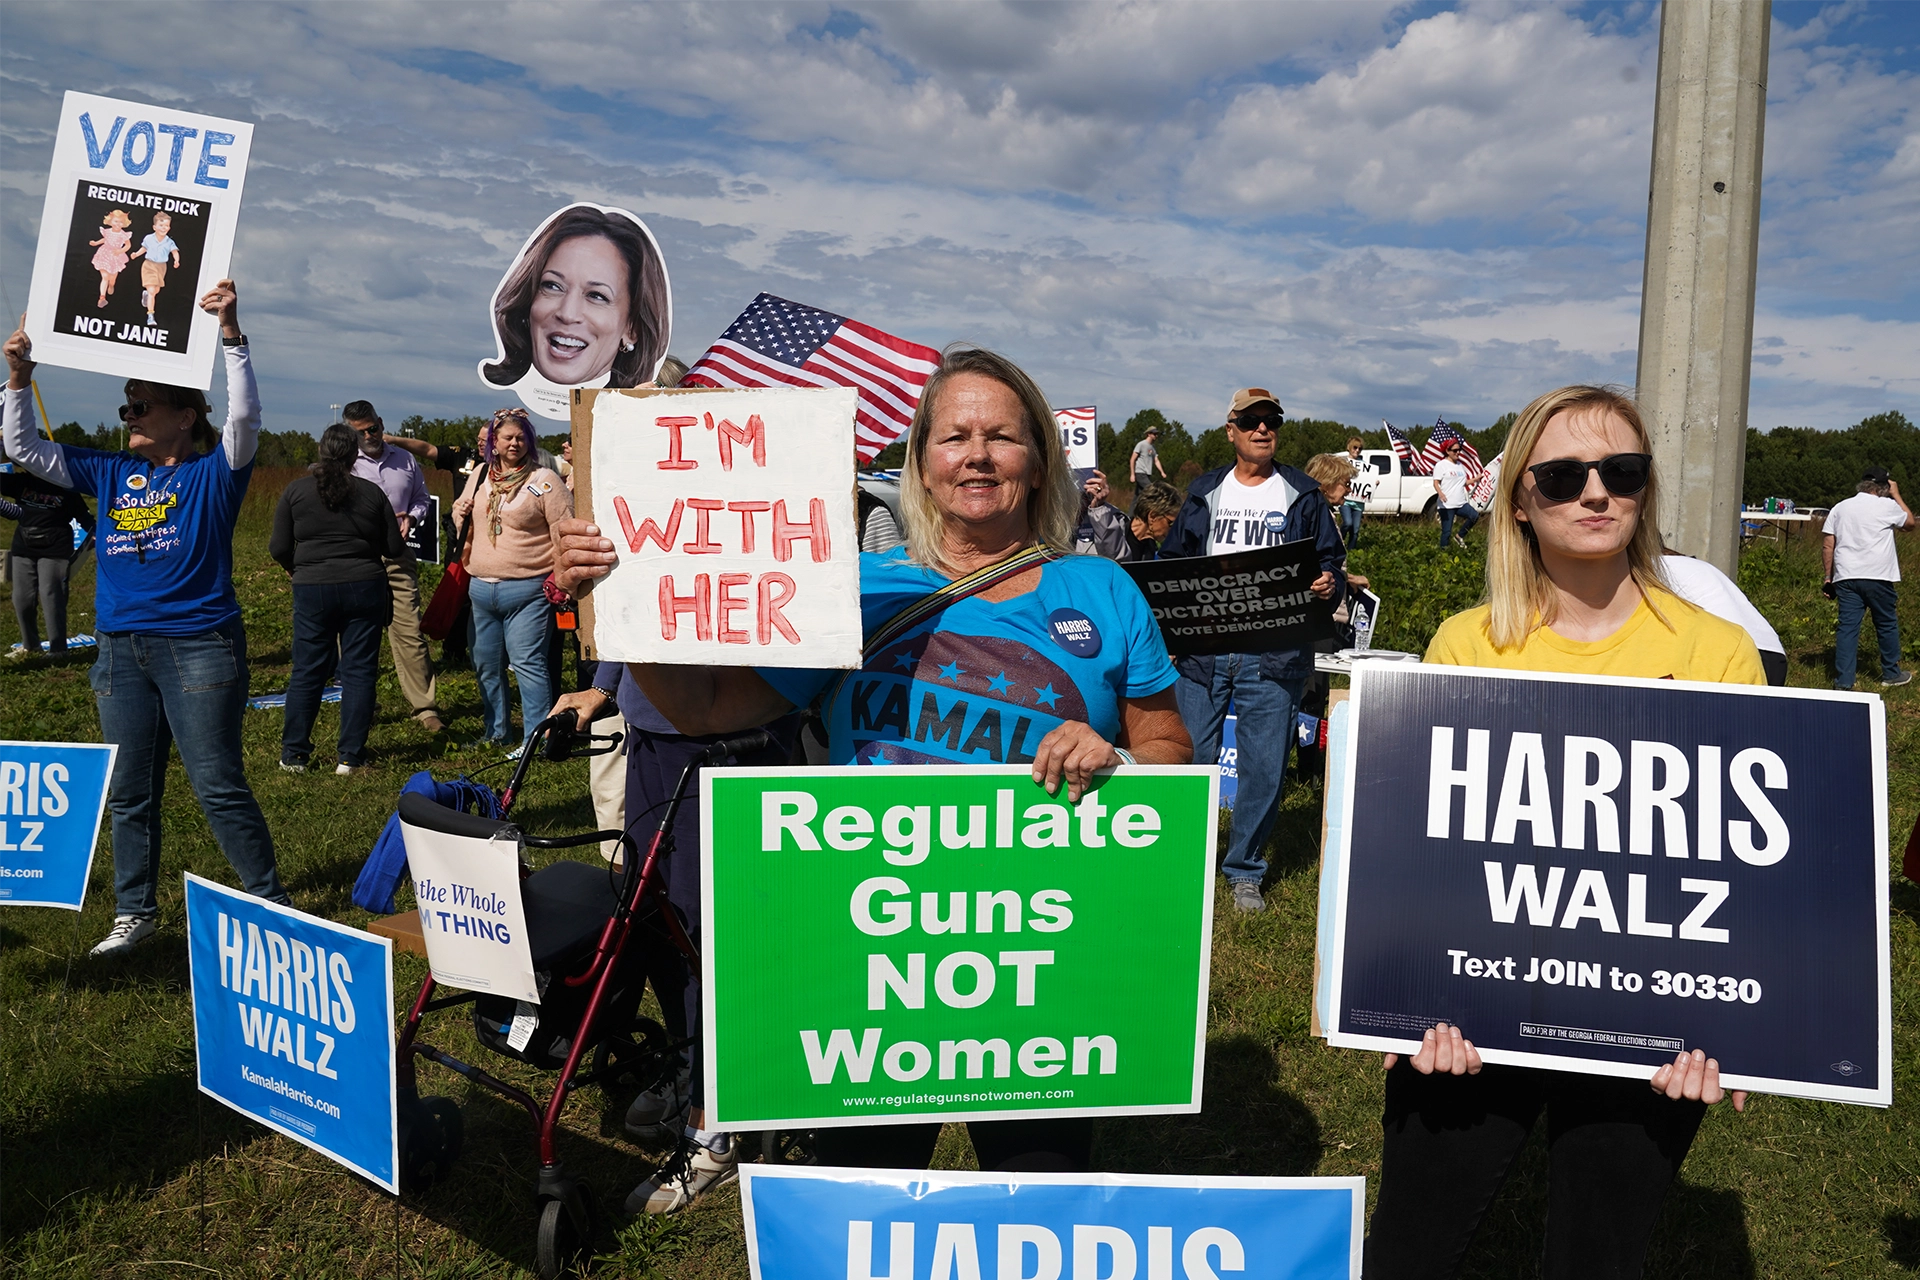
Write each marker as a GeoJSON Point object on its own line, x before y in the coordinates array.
{"type": "Point", "coordinates": [1573, 584]}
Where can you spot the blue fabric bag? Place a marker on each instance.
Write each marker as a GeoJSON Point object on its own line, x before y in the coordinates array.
{"type": "Point", "coordinates": [373, 891]}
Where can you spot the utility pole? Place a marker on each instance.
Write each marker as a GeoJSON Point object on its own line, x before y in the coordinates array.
{"type": "Point", "coordinates": [1703, 233]}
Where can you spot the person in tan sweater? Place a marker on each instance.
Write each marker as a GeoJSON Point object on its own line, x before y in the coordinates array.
{"type": "Point", "coordinates": [509, 510]}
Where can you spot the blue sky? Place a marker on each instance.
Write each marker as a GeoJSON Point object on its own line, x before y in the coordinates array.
{"type": "Point", "coordinates": [1376, 209]}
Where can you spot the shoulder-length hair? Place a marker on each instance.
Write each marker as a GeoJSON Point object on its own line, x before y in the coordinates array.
{"type": "Point", "coordinates": [204, 436]}
{"type": "Point", "coordinates": [649, 297]}
{"type": "Point", "coordinates": [1520, 597]}
{"type": "Point", "coordinates": [1054, 504]}
{"type": "Point", "coordinates": [333, 473]}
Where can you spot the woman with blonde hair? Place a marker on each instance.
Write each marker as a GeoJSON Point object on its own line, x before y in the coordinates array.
{"type": "Point", "coordinates": [1573, 585]}
{"type": "Point", "coordinates": [1047, 659]}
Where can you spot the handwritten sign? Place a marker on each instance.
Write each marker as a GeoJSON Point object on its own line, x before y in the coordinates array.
{"type": "Point", "coordinates": [732, 513]}
{"type": "Point", "coordinates": [141, 206]}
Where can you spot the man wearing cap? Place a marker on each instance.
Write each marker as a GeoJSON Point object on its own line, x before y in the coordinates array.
{"type": "Point", "coordinates": [399, 477]}
{"type": "Point", "coordinates": [1251, 503]}
{"type": "Point", "coordinates": [1146, 459]}
{"type": "Point", "coordinates": [1862, 570]}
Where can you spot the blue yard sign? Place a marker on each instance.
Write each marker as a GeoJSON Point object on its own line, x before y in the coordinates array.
{"type": "Point", "coordinates": [51, 797]}
{"type": "Point", "coordinates": [869, 1224]}
{"type": "Point", "coordinates": [293, 1025]}
{"type": "Point", "coordinates": [1594, 875]}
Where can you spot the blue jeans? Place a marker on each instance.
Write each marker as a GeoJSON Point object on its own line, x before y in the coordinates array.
{"type": "Point", "coordinates": [510, 621]}
{"type": "Point", "coordinates": [1350, 513]}
{"type": "Point", "coordinates": [1856, 596]}
{"type": "Point", "coordinates": [336, 627]}
{"type": "Point", "coordinates": [153, 691]}
{"type": "Point", "coordinates": [1264, 731]}
{"type": "Point", "coordinates": [1467, 516]}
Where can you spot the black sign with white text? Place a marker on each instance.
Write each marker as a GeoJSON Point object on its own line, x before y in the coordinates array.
{"type": "Point", "coordinates": [1594, 874]}
{"type": "Point", "coordinates": [1249, 602]}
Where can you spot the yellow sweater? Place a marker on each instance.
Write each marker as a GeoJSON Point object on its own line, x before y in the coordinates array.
{"type": "Point", "coordinates": [1691, 644]}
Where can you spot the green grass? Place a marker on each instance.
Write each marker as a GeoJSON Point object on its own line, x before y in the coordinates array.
{"type": "Point", "coordinates": [108, 1154]}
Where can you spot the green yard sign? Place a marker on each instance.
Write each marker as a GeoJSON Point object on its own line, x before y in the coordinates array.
{"type": "Point", "coordinates": [902, 943]}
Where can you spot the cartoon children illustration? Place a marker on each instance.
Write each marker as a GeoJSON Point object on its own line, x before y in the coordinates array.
{"type": "Point", "coordinates": [110, 259]}
{"type": "Point", "coordinates": [153, 272]}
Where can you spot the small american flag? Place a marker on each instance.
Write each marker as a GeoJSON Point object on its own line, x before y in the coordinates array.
{"type": "Point", "coordinates": [777, 343]}
{"type": "Point", "coordinates": [1444, 435]}
{"type": "Point", "coordinates": [1416, 463]}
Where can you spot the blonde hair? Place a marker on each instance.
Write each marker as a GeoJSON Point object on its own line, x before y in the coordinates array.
{"type": "Point", "coordinates": [1520, 596]}
{"type": "Point", "coordinates": [1330, 469]}
{"type": "Point", "coordinates": [1054, 504]}
{"type": "Point", "coordinates": [121, 214]}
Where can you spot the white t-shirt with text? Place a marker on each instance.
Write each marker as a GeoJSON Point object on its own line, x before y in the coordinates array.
{"type": "Point", "coordinates": [1862, 531]}
{"type": "Point", "coordinates": [1452, 478]}
{"type": "Point", "coordinates": [1246, 517]}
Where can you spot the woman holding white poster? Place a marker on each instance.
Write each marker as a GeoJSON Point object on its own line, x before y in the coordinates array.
{"type": "Point", "coordinates": [1049, 659]}
{"type": "Point", "coordinates": [1574, 584]}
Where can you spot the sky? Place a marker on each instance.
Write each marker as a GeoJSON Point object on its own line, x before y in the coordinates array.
{"type": "Point", "coordinates": [1378, 210]}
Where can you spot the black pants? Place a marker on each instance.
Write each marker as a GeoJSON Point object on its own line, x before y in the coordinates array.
{"type": "Point", "coordinates": [1020, 1146]}
{"type": "Point", "coordinates": [40, 580]}
{"type": "Point", "coordinates": [655, 762]}
{"type": "Point", "coordinates": [1615, 1147]}
{"type": "Point", "coordinates": [336, 629]}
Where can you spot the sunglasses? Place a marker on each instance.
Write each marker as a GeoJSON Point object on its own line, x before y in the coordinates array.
{"type": "Point", "coordinates": [1258, 422]}
{"type": "Point", "coordinates": [135, 409]}
{"type": "Point", "coordinates": [1564, 479]}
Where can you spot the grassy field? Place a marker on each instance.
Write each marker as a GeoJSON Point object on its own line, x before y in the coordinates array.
{"type": "Point", "coordinates": [112, 1165]}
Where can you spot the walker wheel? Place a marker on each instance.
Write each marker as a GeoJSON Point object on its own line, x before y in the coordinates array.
{"type": "Point", "coordinates": [451, 1123]}
{"type": "Point", "coordinates": [431, 1135]}
{"type": "Point", "coordinates": [566, 1229]}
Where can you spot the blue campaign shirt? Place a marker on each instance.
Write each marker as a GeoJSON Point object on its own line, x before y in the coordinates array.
{"type": "Point", "coordinates": [983, 682]}
{"type": "Point", "coordinates": [164, 539]}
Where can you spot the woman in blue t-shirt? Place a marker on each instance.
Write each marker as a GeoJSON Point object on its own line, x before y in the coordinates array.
{"type": "Point", "coordinates": [1060, 666]}
{"type": "Point", "coordinates": [172, 660]}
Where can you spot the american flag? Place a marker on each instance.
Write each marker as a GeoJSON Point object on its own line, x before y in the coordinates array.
{"type": "Point", "coordinates": [1444, 435]}
{"type": "Point", "coordinates": [1416, 464]}
{"type": "Point", "coordinates": [777, 343]}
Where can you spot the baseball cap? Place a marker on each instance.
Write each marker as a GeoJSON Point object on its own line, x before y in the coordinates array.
{"type": "Point", "coordinates": [1877, 474]}
{"type": "Point", "coordinates": [1247, 397]}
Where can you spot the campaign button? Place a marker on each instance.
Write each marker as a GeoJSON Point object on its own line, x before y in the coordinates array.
{"type": "Point", "coordinates": [1074, 631]}
{"type": "Point", "coordinates": [1275, 521]}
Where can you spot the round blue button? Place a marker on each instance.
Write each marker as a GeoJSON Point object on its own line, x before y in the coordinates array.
{"type": "Point", "coordinates": [1074, 631]}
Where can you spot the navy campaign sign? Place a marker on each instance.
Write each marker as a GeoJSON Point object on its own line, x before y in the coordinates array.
{"type": "Point", "coordinates": [1248, 602]}
{"type": "Point", "coordinates": [1594, 874]}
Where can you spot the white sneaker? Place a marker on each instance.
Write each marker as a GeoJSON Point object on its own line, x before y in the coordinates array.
{"type": "Point", "coordinates": [693, 1171]}
{"type": "Point", "coordinates": [661, 1112]}
{"type": "Point", "coordinates": [128, 933]}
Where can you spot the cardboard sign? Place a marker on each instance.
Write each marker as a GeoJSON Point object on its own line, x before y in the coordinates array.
{"type": "Point", "coordinates": [586, 303]}
{"type": "Point", "coordinates": [293, 1025]}
{"type": "Point", "coordinates": [52, 795]}
{"type": "Point", "coordinates": [1077, 429]}
{"type": "Point", "coordinates": [471, 915]}
{"type": "Point", "coordinates": [142, 202]}
{"type": "Point", "coordinates": [953, 943]}
{"type": "Point", "coordinates": [732, 513]}
{"type": "Point", "coordinates": [867, 1224]}
{"type": "Point", "coordinates": [1248, 602]}
{"type": "Point", "coordinates": [1595, 874]}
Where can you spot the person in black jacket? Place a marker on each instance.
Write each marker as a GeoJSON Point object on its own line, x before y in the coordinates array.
{"type": "Point", "coordinates": [1252, 503]}
{"type": "Point", "coordinates": [42, 550]}
{"type": "Point", "coordinates": [334, 533]}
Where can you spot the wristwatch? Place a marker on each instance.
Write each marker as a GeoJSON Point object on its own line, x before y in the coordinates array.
{"type": "Point", "coordinates": [240, 341]}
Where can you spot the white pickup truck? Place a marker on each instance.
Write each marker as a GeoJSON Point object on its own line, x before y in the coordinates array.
{"type": "Point", "coordinates": [1389, 489]}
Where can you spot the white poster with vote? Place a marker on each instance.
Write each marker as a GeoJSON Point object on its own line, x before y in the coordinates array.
{"type": "Point", "coordinates": [471, 915]}
{"type": "Point", "coordinates": [732, 513]}
{"type": "Point", "coordinates": [141, 206]}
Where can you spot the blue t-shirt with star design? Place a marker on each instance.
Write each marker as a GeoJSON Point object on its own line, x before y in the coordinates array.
{"type": "Point", "coordinates": [983, 682]}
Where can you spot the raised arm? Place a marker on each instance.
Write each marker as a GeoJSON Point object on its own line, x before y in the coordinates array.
{"type": "Point", "coordinates": [240, 438]}
{"type": "Point", "coordinates": [24, 445]}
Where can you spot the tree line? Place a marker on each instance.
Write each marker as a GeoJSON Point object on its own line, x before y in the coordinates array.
{"type": "Point", "coordinates": [1813, 467]}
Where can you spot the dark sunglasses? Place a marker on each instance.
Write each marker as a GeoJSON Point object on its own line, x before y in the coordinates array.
{"type": "Point", "coordinates": [1564, 479]}
{"type": "Point", "coordinates": [1259, 422]}
{"type": "Point", "coordinates": [135, 409]}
